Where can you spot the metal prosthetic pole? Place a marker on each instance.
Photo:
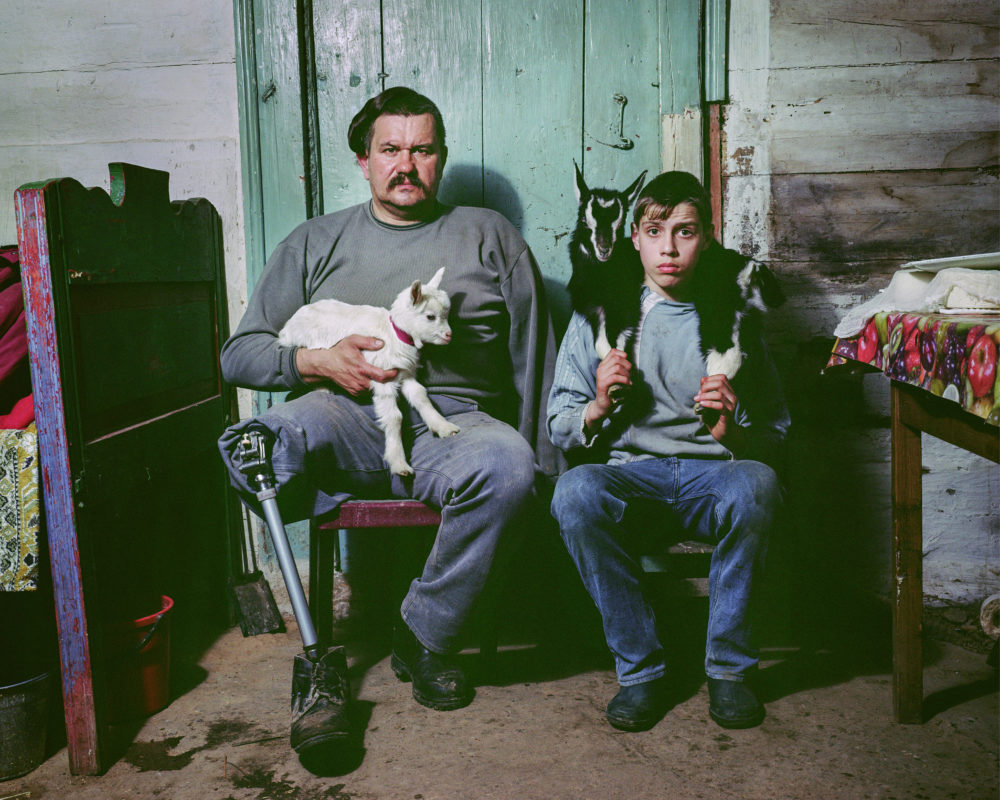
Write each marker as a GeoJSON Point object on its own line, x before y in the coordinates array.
{"type": "Point", "coordinates": [321, 690]}
{"type": "Point", "coordinates": [254, 463]}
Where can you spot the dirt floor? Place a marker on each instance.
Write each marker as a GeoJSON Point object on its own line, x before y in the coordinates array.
{"type": "Point", "coordinates": [536, 730]}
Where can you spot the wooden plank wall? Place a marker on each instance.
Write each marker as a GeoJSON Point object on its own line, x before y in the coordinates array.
{"type": "Point", "coordinates": [84, 83]}
{"type": "Point", "coordinates": [883, 133]}
{"type": "Point", "coordinates": [861, 135]}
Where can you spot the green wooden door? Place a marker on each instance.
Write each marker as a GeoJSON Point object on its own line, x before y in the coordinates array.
{"type": "Point", "coordinates": [525, 88]}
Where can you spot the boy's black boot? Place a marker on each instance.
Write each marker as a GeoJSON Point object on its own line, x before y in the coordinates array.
{"type": "Point", "coordinates": [733, 704]}
{"type": "Point", "coordinates": [640, 706]}
{"type": "Point", "coordinates": [321, 699]}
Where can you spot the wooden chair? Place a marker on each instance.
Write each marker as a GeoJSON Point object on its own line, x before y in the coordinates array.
{"type": "Point", "coordinates": [324, 554]}
{"type": "Point", "coordinates": [686, 563]}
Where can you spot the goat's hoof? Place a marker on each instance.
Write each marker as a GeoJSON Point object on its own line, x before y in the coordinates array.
{"type": "Point", "coordinates": [447, 430]}
{"type": "Point", "coordinates": [617, 393]}
{"type": "Point", "coordinates": [403, 470]}
{"type": "Point", "coordinates": [709, 416]}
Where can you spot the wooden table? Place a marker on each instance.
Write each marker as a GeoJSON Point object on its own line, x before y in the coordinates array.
{"type": "Point", "coordinates": [915, 411]}
{"type": "Point", "coordinates": [929, 359]}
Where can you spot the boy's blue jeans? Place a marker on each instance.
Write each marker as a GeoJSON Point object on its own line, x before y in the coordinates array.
{"type": "Point", "coordinates": [608, 512]}
{"type": "Point", "coordinates": [326, 448]}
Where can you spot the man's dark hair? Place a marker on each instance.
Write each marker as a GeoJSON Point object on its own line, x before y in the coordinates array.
{"type": "Point", "coordinates": [669, 189]}
{"type": "Point", "coordinates": [399, 101]}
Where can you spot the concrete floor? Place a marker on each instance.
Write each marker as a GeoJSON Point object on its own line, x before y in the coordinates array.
{"type": "Point", "coordinates": [536, 730]}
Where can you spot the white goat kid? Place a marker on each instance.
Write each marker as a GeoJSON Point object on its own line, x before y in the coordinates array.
{"type": "Point", "coordinates": [418, 316]}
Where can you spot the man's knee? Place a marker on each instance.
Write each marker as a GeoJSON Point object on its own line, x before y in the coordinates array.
{"type": "Point", "coordinates": [509, 466]}
{"type": "Point", "coordinates": [495, 462]}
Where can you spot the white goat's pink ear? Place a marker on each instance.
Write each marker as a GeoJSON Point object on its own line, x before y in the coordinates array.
{"type": "Point", "coordinates": [416, 293]}
{"type": "Point", "coordinates": [434, 282]}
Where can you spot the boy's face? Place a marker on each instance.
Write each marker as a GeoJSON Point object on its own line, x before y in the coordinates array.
{"type": "Point", "coordinates": [669, 250]}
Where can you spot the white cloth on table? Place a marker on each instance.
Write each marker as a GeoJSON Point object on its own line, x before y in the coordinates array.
{"type": "Point", "coordinates": [927, 292]}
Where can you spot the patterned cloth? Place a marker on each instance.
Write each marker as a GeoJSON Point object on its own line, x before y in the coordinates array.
{"type": "Point", "coordinates": [20, 512]}
{"type": "Point", "coordinates": [952, 356]}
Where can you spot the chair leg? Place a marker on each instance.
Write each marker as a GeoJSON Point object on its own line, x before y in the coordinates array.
{"type": "Point", "coordinates": [322, 546]}
{"type": "Point", "coordinates": [488, 641]}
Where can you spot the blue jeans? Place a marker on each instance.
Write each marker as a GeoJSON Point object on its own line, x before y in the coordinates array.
{"type": "Point", "coordinates": [326, 447]}
{"type": "Point", "coordinates": [608, 516]}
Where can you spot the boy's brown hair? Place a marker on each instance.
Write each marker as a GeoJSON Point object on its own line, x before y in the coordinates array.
{"type": "Point", "coordinates": [666, 191]}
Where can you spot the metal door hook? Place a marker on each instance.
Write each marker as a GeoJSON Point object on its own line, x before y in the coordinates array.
{"type": "Point", "coordinates": [622, 143]}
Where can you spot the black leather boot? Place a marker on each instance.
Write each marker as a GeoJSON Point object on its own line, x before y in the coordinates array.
{"type": "Point", "coordinates": [321, 699]}
{"type": "Point", "coordinates": [438, 681]}
{"type": "Point", "coordinates": [733, 704]}
{"type": "Point", "coordinates": [640, 706]}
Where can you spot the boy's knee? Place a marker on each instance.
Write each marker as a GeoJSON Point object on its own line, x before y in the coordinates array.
{"type": "Point", "coordinates": [764, 484]}
{"type": "Point", "coordinates": [575, 490]}
{"type": "Point", "coordinates": [756, 492]}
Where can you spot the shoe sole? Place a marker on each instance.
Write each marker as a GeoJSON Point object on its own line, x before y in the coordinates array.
{"type": "Point", "coordinates": [632, 726]}
{"type": "Point", "coordinates": [403, 673]}
{"type": "Point", "coordinates": [635, 724]}
{"type": "Point", "coordinates": [736, 724]}
{"type": "Point", "coordinates": [323, 740]}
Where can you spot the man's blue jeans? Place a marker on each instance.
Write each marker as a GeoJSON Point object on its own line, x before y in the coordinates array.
{"type": "Point", "coordinates": [609, 514]}
{"type": "Point", "coordinates": [326, 448]}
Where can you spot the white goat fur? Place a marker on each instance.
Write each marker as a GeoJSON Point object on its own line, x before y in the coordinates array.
{"type": "Point", "coordinates": [419, 311]}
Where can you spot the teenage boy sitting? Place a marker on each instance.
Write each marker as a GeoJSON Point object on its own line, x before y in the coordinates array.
{"type": "Point", "coordinates": [667, 468]}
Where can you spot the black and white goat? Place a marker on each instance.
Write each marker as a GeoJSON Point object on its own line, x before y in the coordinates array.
{"type": "Point", "coordinates": [730, 291]}
{"type": "Point", "coordinates": [607, 274]}
{"type": "Point", "coordinates": [418, 316]}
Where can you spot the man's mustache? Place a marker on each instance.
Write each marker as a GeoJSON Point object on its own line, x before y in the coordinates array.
{"type": "Point", "coordinates": [404, 177]}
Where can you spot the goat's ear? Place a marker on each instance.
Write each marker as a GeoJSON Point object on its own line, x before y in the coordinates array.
{"type": "Point", "coordinates": [416, 293]}
{"type": "Point", "coordinates": [632, 191]}
{"type": "Point", "coordinates": [581, 187]}
{"type": "Point", "coordinates": [434, 282]}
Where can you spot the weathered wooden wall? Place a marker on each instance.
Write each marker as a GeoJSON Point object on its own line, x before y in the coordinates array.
{"type": "Point", "coordinates": [861, 135]}
{"type": "Point", "coordinates": [84, 83]}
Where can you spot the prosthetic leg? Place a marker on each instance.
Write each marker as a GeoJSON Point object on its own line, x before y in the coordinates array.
{"type": "Point", "coordinates": [320, 688]}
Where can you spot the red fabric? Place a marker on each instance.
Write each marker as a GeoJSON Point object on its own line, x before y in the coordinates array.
{"type": "Point", "coordinates": [16, 407]}
{"type": "Point", "coordinates": [20, 416]}
{"type": "Point", "coordinates": [9, 254]}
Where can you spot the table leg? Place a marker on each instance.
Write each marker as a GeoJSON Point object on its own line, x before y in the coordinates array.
{"type": "Point", "coordinates": [907, 534]}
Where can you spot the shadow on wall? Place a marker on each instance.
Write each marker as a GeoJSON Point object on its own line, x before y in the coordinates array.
{"type": "Point", "coordinates": [471, 185]}
{"type": "Point", "coordinates": [832, 557]}
{"type": "Point", "coordinates": [830, 554]}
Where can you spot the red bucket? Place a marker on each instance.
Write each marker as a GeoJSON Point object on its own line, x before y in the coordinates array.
{"type": "Point", "coordinates": [139, 665]}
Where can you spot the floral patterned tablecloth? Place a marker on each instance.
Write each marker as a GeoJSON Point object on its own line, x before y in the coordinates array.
{"type": "Point", "coordinates": [952, 356]}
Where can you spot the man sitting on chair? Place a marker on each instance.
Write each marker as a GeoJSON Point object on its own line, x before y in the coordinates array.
{"type": "Point", "coordinates": [490, 381]}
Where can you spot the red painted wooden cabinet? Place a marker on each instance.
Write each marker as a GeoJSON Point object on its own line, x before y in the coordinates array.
{"type": "Point", "coordinates": [126, 309]}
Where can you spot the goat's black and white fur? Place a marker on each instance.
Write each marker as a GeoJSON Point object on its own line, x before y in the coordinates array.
{"type": "Point", "coordinates": [607, 274]}
{"type": "Point", "coordinates": [418, 316]}
{"type": "Point", "coordinates": [730, 292]}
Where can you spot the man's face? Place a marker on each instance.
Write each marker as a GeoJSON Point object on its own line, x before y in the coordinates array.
{"type": "Point", "coordinates": [669, 250]}
{"type": "Point", "coordinates": [403, 167]}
